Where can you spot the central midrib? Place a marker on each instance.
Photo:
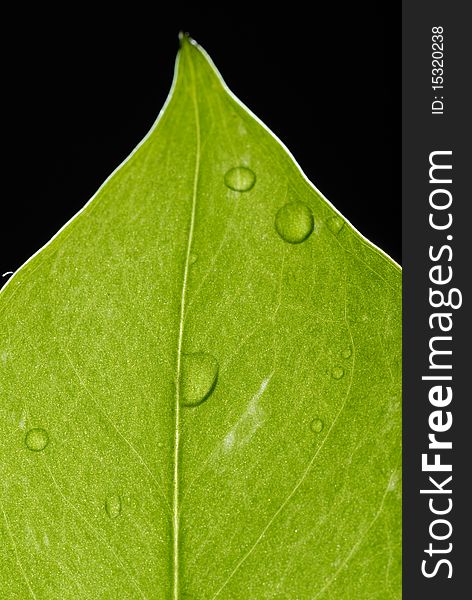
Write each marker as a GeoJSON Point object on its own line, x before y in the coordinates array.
{"type": "Point", "coordinates": [176, 490]}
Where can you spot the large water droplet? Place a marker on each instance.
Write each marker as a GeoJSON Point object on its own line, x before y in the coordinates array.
{"type": "Point", "coordinates": [294, 222]}
{"type": "Point", "coordinates": [240, 179]}
{"type": "Point", "coordinates": [346, 353]}
{"type": "Point", "coordinates": [37, 439]}
{"type": "Point", "coordinates": [113, 506]}
{"type": "Point", "coordinates": [337, 372]}
{"type": "Point", "coordinates": [199, 375]}
{"type": "Point", "coordinates": [317, 425]}
{"type": "Point", "coordinates": [335, 224]}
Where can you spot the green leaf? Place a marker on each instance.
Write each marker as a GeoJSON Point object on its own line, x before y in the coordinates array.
{"type": "Point", "coordinates": [200, 380]}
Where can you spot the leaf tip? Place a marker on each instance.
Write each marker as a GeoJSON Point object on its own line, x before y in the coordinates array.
{"type": "Point", "coordinates": [185, 39]}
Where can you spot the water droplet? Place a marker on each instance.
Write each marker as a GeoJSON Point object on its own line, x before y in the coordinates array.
{"type": "Point", "coordinates": [113, 506]}
{"type": "Point", "coordinates": [337, 372]}
{"type": "Point", "coordinates": [160, 444]}
{"type": "Point", "coordinates": [193, 258]}
{"type": "Point", "coordinates": [335, 224]}
{"type": "Point", "coordinates": [37, 439]}
{"type": "Point", "coordinates": [317, 425]}
{"type": "Point", "coordinates": [294, 222]}
{"type": "Point", "coordinates": [240, 179]}
{"type": "Point", "coordinates": [199, 375]}
{"type": "Point", "coordinates": [346, 353]}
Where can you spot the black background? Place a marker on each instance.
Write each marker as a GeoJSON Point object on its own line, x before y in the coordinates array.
{"type": "Point", "coordinates": [81, 93]}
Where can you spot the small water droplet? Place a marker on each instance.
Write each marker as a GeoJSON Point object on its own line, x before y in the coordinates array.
{"type": "Point", "coordinates": [294, 222]}
{"type": "Point", "coordinates": [337, 372]}
{"type": "Point", "coordinates": [199, 375]}
{"type": "Point", "coordinates": [335, 224]}
{"type": "Point", "coordinates": [317, 425]}
{"type": "Point", "coordinates": [160, 444]}
{"type": "Point", "coordinates": [37, 439]}
{"type": "Point", "coordinates": [346, 353]}
{"type": "Point", "coordinates": [193, 258]}
{"type": "Point", "coordinates": [113, 506]}
{"type": "Point", "coordinates": [240, 179]}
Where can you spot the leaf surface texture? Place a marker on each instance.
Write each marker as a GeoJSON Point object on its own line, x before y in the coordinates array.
{"type": "Point", "coordinates": [201, 380]}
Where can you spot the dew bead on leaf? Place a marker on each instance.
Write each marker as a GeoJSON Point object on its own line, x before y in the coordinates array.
{"type": "Point", "coordinates": [240, 179]}
{"type": "Point", "coordinates": [337, 372]}
{"type": "Point", "coordinates": [113, 506]}
{"type": "Point", "coordinates": [294, 222]}
{"type": "Point", "coordinates": [335, 224]}
{"type": "Point", "coordinates": [37, 439]}
{"type": "Point", "coordinates": [317, 425]}
{"type": "Point", "coordinates": [346, 353]}
{"type": "Point", "coordinates": [198, 379]}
